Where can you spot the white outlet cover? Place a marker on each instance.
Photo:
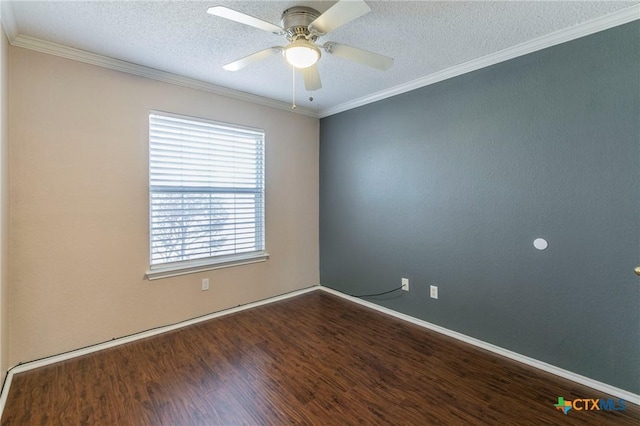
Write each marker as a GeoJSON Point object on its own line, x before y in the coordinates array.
{"type": "Point", "coordinates": [433, 291]}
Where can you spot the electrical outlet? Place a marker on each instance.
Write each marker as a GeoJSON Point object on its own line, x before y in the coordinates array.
{"type": "Point", "coordinates": [433, 291]}
{"type": "Point", "coordinates": [205, 284]}
{"type": "Point", "coordinates": [405, 284]}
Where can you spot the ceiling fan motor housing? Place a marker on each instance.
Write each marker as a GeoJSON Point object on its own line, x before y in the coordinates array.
{"type": "Point", "coordinates": [296, 20]}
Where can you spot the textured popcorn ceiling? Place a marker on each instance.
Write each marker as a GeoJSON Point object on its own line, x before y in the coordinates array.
{"type": "Point", "coordinates": [180, 37]}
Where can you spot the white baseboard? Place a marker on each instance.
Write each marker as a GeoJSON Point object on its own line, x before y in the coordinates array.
{"type": "Point", "coordinates": [20, 368]}
{"type": "Point", "coordinates": [594, 384]}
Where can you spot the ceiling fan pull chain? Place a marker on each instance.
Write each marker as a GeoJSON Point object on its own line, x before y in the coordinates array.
{"type": "Point", "coordinates": [293, 100]}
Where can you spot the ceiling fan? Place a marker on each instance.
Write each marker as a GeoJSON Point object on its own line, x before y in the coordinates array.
{"type": "Point", "coordinates": [302, 26]}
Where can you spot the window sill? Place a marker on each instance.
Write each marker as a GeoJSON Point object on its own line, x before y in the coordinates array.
{"type": "Point", "coordinates": [191, 267]}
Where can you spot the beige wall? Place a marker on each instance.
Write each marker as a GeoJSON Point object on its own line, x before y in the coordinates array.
{"type": "Point", "coordinates": [4, 200]}
{"type": "Point", "coordinates": [79, 206]}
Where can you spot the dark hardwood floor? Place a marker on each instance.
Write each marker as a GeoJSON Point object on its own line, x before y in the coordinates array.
{"type": "Point", "coordinates": [313, 359]}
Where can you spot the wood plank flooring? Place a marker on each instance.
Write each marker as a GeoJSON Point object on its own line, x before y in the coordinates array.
{"type": "Point", "coordinates": [314, 359]}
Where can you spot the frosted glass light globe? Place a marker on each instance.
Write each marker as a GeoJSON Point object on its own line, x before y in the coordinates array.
{"type": "Point", "coordinates": [301, 54]}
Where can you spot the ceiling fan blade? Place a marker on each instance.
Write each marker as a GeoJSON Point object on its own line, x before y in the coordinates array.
{"type": "Point", "coordinates": [361, 56]}
{"type": "Point", "coordinates": [311, 78]}
{"type": "Point", "coordinates": [254, 57]}
{"type": "Point", "coordinates": [337, 15]}
{"type": "Point", "coordinates": [233, 15]}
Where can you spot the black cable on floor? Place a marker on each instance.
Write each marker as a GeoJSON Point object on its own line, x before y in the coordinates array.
{"type": "Point", "coordinates": [133, 335]}
{"type": "Point", "coordinates": [377, 294]}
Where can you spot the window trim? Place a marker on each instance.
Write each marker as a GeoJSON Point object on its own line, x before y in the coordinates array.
{"type": "Point", "coordinates": [173, 269]}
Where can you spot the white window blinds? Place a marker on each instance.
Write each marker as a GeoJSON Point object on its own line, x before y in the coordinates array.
{"type": "Point", "coordinates": [206, 186]}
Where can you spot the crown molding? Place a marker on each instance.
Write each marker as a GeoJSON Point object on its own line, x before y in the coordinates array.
{"type": "Point", "coordinates": [617, 18]}
{"type": "Point", "coordinates": [151, 73]}
{"type": "Point", "coordinates": [602, 23]}
{"type": "Point", "coordinates": [8, 20]}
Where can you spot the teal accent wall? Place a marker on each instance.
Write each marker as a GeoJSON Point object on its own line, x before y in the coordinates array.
{"type": "Point", "coordinates": [451, 183]}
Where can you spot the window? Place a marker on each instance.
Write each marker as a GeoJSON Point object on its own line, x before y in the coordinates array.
{"type": "Point", "coordinates": [206, 190]}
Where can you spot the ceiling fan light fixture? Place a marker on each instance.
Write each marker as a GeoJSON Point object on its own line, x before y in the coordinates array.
{"type": "Point", "coordinates": [301, 53]}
